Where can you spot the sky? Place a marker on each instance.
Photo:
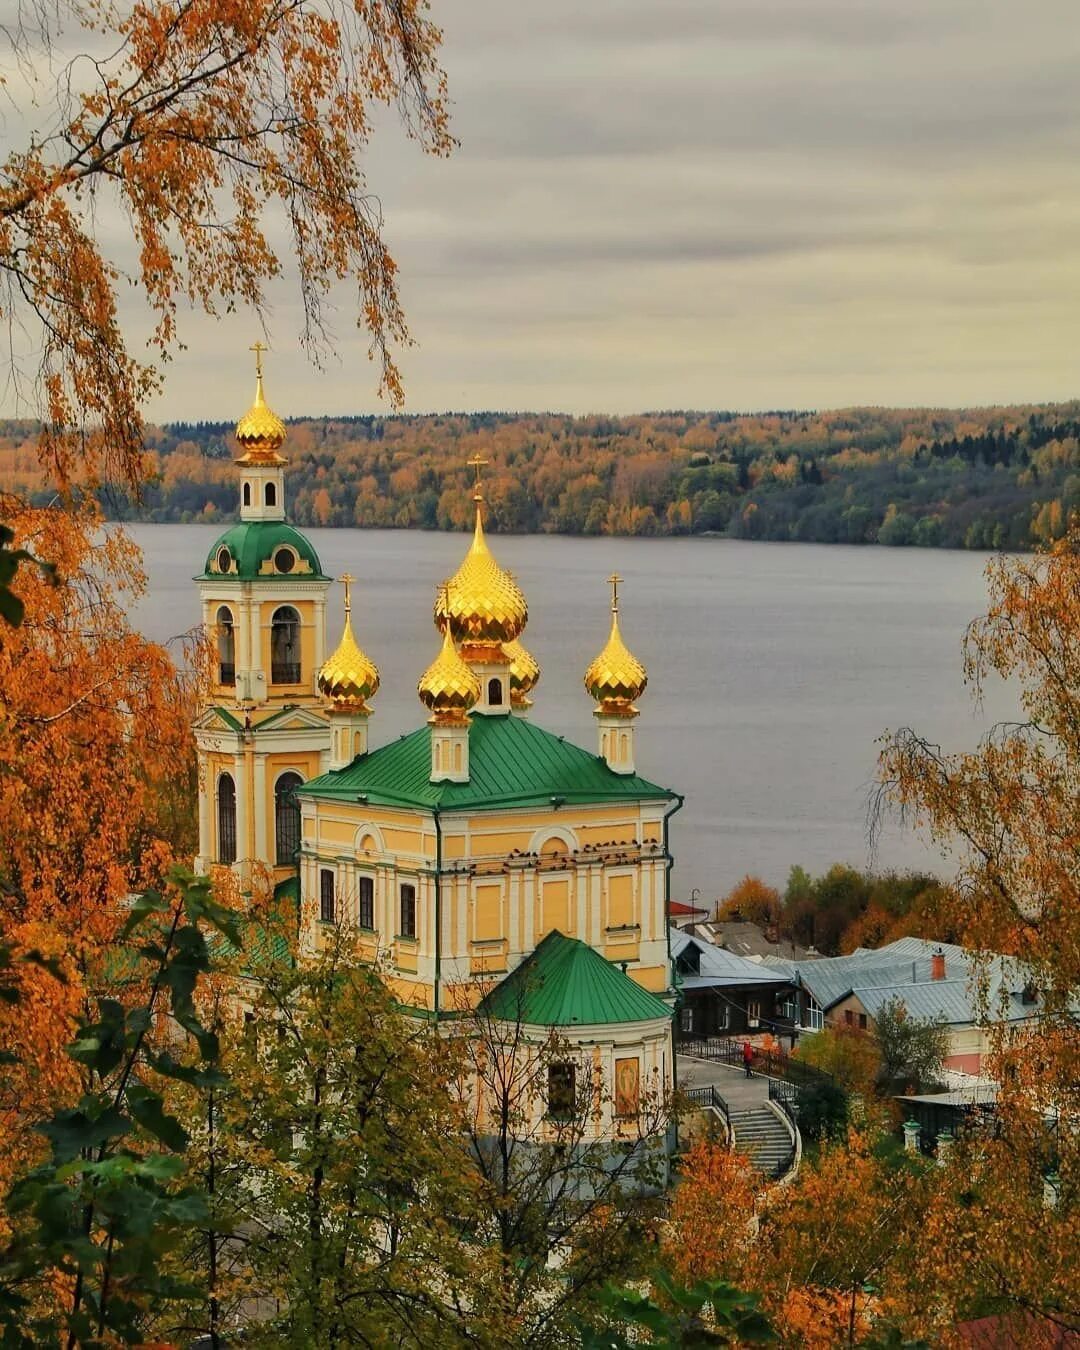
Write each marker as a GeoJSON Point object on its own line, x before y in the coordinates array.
{"type": "Point", "coordinates": [740, 204]}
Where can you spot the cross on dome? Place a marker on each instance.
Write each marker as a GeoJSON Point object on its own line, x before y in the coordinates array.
{"type": "Point", "coordinates": [615, 581]}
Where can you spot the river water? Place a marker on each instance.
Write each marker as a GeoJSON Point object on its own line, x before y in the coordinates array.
{"type": "Point", "coordinates": [773, 668]}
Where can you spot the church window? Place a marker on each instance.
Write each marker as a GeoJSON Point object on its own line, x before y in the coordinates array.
{"type": "Point", "coordinates": [287, 818]}
{"type": "Point", "coordinates": [224, 560]}
{"type": "Point", "coordinates": [285, 646]}
{"type": "Point", "coordinates": [247, 494]}
{"type": "Point", "coordinates": [366, 890]}
{"type": "Point", "coordinates": [408, 912]}
{"type": "Point", "coordinates": [561, 1091]}
{"type": "Point", "coordinates": [495, 693]}
{"type": "Point", "coordinates": [458, 757]}
{"type": "Point", "coordinates": [270, 498]}
{"type": "Point", "coordinates": [226, 647]}
{"type": "Point", "coordinates": [284, 559]}
{"type": "Point", "coordinates": [624, 748]}
{"type": "Point", "coordinates": [226, 795]}
{"type": "Point", "coordinates": [327, 904]}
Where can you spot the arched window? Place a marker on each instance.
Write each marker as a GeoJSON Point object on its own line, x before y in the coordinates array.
{"type": "Point", "coordinates": [226, 647]}
{"type": "Point", "coordinates": [270, 495]}
{"type": "Point", "coordinates": [285, 646]}
{"type": "Point", "coordinates": [287, 817]}
{"type": "Point", "coordinates": [226, 817]}
{"type": "Point", "coordinates": [247, 494]}
{"type": "Point", "coordinates": [495, 693]}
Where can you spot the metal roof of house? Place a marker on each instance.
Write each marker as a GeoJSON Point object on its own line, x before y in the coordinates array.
{"type": "Point", "coordinates": [716, 966]}
{"type": "Point", "coordinates": [512, 762]}
{"type": "Point", "coordinates": [902, 969]}
{"type": "Point", "coordinates": [565, 983]}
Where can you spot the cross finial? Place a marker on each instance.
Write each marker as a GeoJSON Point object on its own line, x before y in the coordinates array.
{"type": "Point", "coordinates": [477, 462]}
{"type": "Point", "coordinates": [347, 580]}
{"type": "Point", "coordinates": [258, 349]}
{"type": "Point", "coordinates": [615, 581]}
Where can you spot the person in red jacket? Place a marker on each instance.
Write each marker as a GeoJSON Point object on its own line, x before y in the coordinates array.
{"type": "Point", "coordinates": [748, 1057]}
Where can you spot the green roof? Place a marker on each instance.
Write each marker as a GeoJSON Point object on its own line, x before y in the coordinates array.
{"type": "Point", "coordinates": [566, 983]}
{"type": "Point", "coordinates": [253, 542]}
{"type": "Point", "coordinates": [512, 762]}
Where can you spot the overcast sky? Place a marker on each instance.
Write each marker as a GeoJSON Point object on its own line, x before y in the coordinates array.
{"type": "Point", "coordinates": [720, 204]}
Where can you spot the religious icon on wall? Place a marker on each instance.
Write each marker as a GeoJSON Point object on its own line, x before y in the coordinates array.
{"type": "Point", "coordinates": [626, 1086]}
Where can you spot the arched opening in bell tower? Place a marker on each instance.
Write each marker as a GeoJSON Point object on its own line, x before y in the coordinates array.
{"type": "Point", "coordinates": [285, 646]}
{"type": "Point", "coordinates": [226, 645]}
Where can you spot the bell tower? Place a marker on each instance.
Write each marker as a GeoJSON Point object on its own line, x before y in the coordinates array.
{"type": "Point", "coordinates": [264, 728]}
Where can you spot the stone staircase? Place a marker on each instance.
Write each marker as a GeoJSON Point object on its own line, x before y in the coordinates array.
{"type": "Point", "coordinates": [765, 1138]}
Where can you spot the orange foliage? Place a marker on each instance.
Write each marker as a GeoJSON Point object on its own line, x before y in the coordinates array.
{"type": "Point", "coordinates": [752, 900]}
{"type": "Point", "coordinates": [96, 793]}
{"type": "Point", "coordinates": [208, 123]}
{"type": "Point", "coordinates": [711, 1214]}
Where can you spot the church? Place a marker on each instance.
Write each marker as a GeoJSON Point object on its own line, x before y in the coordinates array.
{"type": "Point", "coordinates": [478, 859]}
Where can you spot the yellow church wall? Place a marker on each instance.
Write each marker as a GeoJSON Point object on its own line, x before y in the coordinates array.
{"type": "Point", "coordinates": [410, 993]}
{"type": "Point", "coordinates": [554, 908]}
{"type": "Point", "coordinates": [487, 913]}
{"type": "Point", "coordinates": [653, 978]}
{"type": "Point", "coordinates": [620, 901]}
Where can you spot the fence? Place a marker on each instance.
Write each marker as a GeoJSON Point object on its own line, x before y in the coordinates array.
{"type": "Point", "coordinates": [774, 1065]}
{"type": "Point", "coordinates": [709, 1097]}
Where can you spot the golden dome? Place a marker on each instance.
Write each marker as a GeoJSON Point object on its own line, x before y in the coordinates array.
{"type": "Point", "coordinates": [260, 433]}
{"type": "Point", "coordinates": [481, 604]}
{"type": "Point", "coordinates": [349, 677]}
{"type": "Point", "coordinates": [448, 687]}
{"type": "Point", "coordinates": [616, 678]}
{"type": "Point", "coordinates": [524, 672]}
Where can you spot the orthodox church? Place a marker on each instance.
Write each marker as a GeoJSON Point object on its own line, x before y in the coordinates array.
{"type": "Point", "coordinates": [477, 858]}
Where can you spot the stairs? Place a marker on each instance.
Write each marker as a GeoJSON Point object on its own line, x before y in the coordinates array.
{"type": "Point", "coordinates": [763, 1136]}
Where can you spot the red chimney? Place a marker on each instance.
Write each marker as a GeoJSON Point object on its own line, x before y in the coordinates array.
{"type": "Point", "coordinates": [937, 966]}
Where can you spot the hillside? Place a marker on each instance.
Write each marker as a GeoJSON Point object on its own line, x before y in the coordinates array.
{"type": "Point", "coordinates": [969, 478]}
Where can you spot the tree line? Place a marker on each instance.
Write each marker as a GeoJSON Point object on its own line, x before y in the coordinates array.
{"type": "Point", "coordinates": [983, 478]}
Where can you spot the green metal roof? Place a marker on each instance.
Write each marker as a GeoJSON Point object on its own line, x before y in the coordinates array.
{"type": "Point", "coordinates": [253, 542]}
{"type": "Point", "coordinates": [566, 983]}
{"type": "Point", "coordinates": [512, 762]}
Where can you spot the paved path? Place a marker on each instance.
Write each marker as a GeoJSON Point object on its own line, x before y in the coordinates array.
{"type": "Point", "coordinates": [740, 1093]}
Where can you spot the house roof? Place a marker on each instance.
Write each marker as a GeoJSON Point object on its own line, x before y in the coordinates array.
{"type": "Point", "coordinates": [703, 965]}
{"type": "Point", "coordinates": [683, 911]}
{"type": "Point", "coordinates": [747, 939]}
{"type": "Point", "coordinates": [565, 983]}
{"type": "Point", "coordinates": [512, 762]}
{"type": "Point", "coordinates": [902, 970]}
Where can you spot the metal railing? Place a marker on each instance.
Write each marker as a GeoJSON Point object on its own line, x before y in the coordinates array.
{"type": "Point", "coordinates": [771, 1063]}
{"type": "Point", "coordinates": [285, 672]}
{"type": "Point", "coordinates": [786, 1097]}
{"type": "Point", "coordinates": [709, 1097]}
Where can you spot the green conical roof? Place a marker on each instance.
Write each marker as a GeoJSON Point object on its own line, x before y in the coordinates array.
{"type": "Point", "coordinates": [565, 983]}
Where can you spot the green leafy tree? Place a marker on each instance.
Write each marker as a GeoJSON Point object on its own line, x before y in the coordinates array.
{"type": "Point", "coordinates": [93, 1224]}
{"type": "Point", "coordinates": [912, 1049]}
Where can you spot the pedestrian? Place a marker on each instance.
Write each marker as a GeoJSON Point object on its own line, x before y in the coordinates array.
{"type": "Point", "coordinates": [748, 1057]}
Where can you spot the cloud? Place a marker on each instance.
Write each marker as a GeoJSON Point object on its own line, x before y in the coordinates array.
{"type": "Point", "coordinates": [731, 203]}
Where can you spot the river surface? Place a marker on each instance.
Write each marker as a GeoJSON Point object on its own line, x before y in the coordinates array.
{"type": "Point", "coordinates": [773, 669]}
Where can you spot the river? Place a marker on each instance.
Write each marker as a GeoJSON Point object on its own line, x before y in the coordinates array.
{"type": "Point", "coordinates": [773, 669]}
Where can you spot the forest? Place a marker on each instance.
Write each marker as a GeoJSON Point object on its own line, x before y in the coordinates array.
{"type": "Point", "coordinates": [993, 478]}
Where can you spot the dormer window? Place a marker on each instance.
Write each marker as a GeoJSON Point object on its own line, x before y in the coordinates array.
{"type": "Point", "coordinates": [224, 560]}
{"type": "Point", "coordinates": [284, 558]}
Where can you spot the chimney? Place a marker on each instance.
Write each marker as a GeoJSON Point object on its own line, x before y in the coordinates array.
{"type": "Point", "coordinates": [937, 965]}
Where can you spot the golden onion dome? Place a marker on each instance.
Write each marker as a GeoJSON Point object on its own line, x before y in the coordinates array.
{"type": "Point", "coordinates": [481, 604]}
{"type": "Point", "coordinates": [260, 433]}
{"type": "Point", "coordinates": [616, 678]}
{"type": "Point", "coordinates": [449, 687]}
{"type": "Point", "coordinates": [524, 671]}
{"type": "Point", "coordinates": [349, 677]}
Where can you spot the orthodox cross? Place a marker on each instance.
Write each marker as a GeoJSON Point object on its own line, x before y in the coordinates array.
{"type": "Point", "coordinates": [477, 463]}
{"type": "Point", "coordinates": [258, 349]}
{"type": "Point", "coordinates": [347, 580]}
{"type": "Point", "coordinates": [615, 581]}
